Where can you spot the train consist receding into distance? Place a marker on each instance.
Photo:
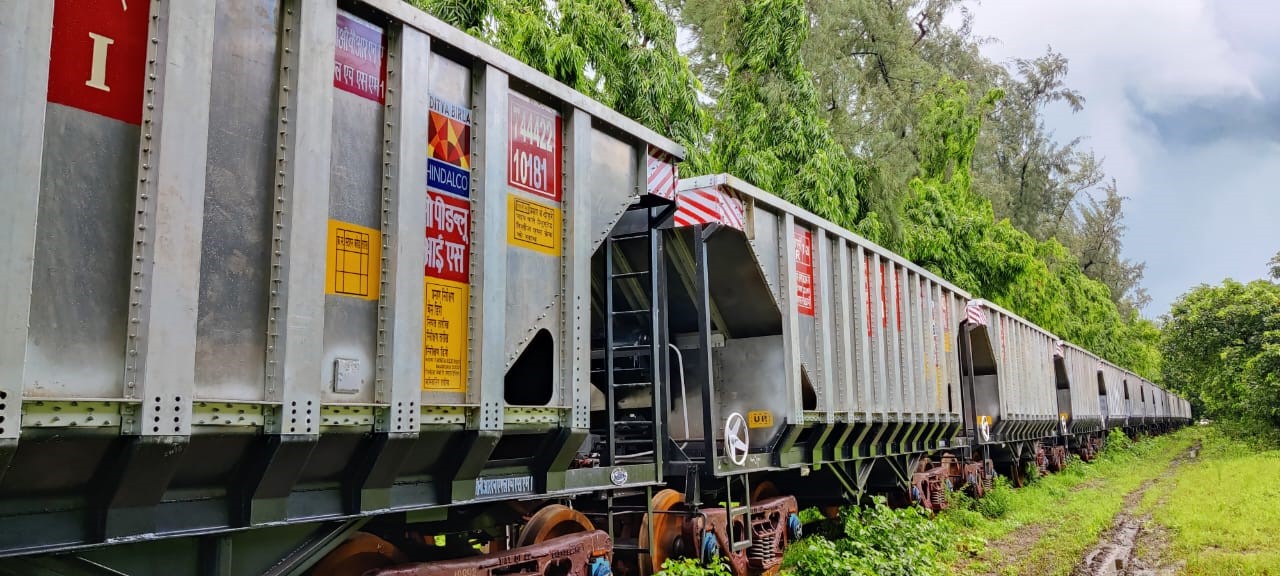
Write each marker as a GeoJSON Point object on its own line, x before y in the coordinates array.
{"type": "Point", "coordinates": [332, 288]}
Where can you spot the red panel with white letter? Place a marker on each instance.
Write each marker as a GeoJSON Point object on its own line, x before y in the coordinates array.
{"type": "Point", "coordinates": [98, 56]}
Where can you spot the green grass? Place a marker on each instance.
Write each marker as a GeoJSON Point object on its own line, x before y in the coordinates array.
{"type": "Point", "coordinates": [1222, 509]}
{"type": "Point", "coordinates": [1049, 525]}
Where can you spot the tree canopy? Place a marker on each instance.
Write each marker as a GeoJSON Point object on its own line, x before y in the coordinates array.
{"type": "Point", "coordinates": [1221, 346]}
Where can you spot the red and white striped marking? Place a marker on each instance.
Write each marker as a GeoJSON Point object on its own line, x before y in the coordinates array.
{"type": "Point", "coordinates": [708, 205]}
{"type": "Point", "coordinates": [661, 169]}
{"type": "Point", "coordinates": [976, 313]}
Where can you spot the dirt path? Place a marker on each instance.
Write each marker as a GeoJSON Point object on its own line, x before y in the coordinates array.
{"type": "Point", "coordinates": [1118, 550]}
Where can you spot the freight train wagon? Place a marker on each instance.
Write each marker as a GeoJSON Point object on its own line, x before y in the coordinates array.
{"type": "Point", "coordinates": [333, 288]}
{"type": "Point", "coordinates": [277, 267]}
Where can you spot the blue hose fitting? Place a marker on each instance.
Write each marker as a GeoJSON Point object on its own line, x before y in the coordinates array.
{"type": "Point", "coordinates": [794, 528]}
{"type": "Point", "coordinates": [710, 548]}
{"type": "Point", "coordinates": [600, 567]}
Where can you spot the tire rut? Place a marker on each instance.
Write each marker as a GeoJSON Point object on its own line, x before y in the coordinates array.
{"type": "Point", "coordinates": [1117, 551]}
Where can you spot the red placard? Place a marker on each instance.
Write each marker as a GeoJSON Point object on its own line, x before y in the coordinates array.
{"type": "Point", "coordinates": [360, 58]}
{"type": "Point", "coordinates": [866, 274]}
{"type": "Point", "coordinates": [448, 237]}
{"type": "Point", "coordinates": [534, 149]}
{"type": "Point", "coordinates": [98, 56]}
{"type": "Point", "coordinates": [804, 271]}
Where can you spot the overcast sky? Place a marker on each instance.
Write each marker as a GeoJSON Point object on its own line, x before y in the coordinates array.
{"type": "Point", "coordinates": [1183, 102]}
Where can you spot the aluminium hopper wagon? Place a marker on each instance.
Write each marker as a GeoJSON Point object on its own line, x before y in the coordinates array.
{"type": "Point", "coordinates": [1008, 370]}
{"type": "Point", "coordinates": [222, 314]}
{"type": "Point", "coordinates": [832, 348]}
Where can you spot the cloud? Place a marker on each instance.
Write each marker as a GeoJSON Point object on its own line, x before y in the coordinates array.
{"type": "Point", "coordinates": [1183, 103]}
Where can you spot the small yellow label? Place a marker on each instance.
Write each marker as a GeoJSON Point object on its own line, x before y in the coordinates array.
{"type": "Point", "coordinates": [759, 419]}
{"type": "Point", "coordinates": [353, 261]}
{"type": "Point", "coordinates": [532, 225]}
{"type": "Point", "coordinates": [946, 342]}
{"type": "Point", "coordinates": [444, 336]}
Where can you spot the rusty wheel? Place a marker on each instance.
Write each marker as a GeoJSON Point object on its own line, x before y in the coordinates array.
{"type": "Point", "coordinates": [360, 553]}
{"type": "Point", "coordinates": [668, 530]}
{"type": "Point", "coordinates": [1018, 474]}
{"type": "Point", "coordinates": [551, 522]}
{"type": "Point", "coordinates": [764, 490]}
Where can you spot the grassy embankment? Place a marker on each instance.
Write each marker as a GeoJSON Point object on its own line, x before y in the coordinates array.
{"type": "Point", "coordinates": [1047, 527]}
{"type": "Point", "coordinates": [1221, 511]}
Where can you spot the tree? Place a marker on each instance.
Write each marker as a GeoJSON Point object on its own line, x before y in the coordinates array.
{"type": "Point", "coordinates": [766, 126]}
{"type": "Point", "coordinates": [952, 231]}
{"type": "Point", "coordinates": [1221, 347]}
{"type": "Point", "coordinates": [1274, 265]}
{"type": "Point", "coordinates": [1097, 242]}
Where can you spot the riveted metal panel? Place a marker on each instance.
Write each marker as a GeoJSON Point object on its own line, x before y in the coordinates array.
{"type": "Point", "coordinates": [449, 85]}
{"type": "Point", "coordinates": [489, 257]}
{"type": "Point", "coordinates": [295, 326]}
{"type": "Point", "coordinates": [235, 263]}
{"type": "Point", "coordinates": [25, 29]}
{"type": "Point", "coordinates": [614, 180]}
{"type": "Point", "coordinates": [879, 349]}
{"type": "Point", "coordinates": [790, 322]}
{"type": "Point", "coordinates": [863, 317]}
{"type": "Point", "coordinates": [825, 310]}
{"type": "Point", "coordinates": [537, 305]}
{"type": "Point", "coordinates": [910, 336]}
{"type": "Point", "coordinates": [355, 197]}
{"type": "Point", "coordinates": [82, 261]}
{"type": "Point", "coordinates": [401, 303]}
{"type": "Point", "coordinates": [843, 329]}
{"type": "Point", "coordinates": [160, 362]}
{"type": "Point", "coordinates": [576, 345]}
{"type": "Point", "coordinates": [895, 355]}
{"type": "Point", "coordinates": [805, 253]}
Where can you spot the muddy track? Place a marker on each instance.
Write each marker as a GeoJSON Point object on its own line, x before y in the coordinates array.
{"type": "Point", "coordinates": [1117, 551]}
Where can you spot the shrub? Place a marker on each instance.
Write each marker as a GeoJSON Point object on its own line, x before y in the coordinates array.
{"type": "Point", "coordinates": [875, 540]}
{"type": "Point", "coordinates": [997, 501]}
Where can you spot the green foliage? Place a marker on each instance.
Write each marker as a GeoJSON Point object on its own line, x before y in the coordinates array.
{"type": "Point", "coordinates": [693, 567]}
{"type": "Point", "coordinates": [1221, 346]}
{"type": "Point", "coordinates": [875, 540]}
{"type": "Point", "coordinates": [766, 126]}
{"type": "Point", "coordinates": [953, 232]}
{"type": "Point", "coordinates": [997, 501]}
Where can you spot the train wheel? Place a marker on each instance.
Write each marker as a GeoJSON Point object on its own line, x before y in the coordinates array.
{"type": "Point", "coordinates": [1018, 474]}
{"type": "Point", "coordinates": [551, 522]}
{"type": "Point", "coordinates": [359, 554]}
{"type": "Point", "coordinates": [668, 530]}
{"type": "Point", "coordinates": [764, 490]}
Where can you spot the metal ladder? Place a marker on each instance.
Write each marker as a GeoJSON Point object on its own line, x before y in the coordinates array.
{"type": "Point", "coordinates": [631, 350]}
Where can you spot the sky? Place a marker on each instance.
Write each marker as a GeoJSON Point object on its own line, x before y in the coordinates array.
{"type": "Point", "coordinates": [1183, 104]}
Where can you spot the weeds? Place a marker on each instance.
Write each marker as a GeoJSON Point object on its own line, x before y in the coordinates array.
{"type": "Point", "coordinates": [693, 567]}
{"type": "Point", "coordinates": [876, 540]}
